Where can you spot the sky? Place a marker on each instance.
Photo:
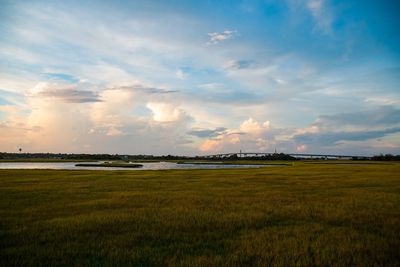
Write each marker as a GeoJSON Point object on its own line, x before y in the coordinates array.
{"type": "Point", "coordinates": [200, 77]}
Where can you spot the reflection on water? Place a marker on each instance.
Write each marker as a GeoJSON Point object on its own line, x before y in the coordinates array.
{"type": "Point", "coordinates": [146, 166]}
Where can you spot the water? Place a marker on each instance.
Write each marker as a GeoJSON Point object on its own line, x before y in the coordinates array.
{"type": "Point", "coordinates": [146, 166]}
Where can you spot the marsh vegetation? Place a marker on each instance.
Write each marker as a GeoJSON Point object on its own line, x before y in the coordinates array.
{"type": "Point", "coordinates": [306, 215]}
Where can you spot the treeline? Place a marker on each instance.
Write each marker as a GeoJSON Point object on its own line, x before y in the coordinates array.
{"type": "Point", "coordinates": [151, 157]}
{"type": "Point", "coordinates": [64, 156]}
{"type": "Point", "coordinates": [5, 155]}
{"type": "Point", "coordinates": [275, 156]}
{"type": "Point", "coordinates": [386, 157]}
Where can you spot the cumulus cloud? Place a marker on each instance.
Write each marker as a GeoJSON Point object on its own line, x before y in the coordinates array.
{"type": "Point", "coordinates": [132, 102]}
{"type": "Point", "coordinates": [251, 126]}
{"type": "Point", "coordinates": [217, 37]}
{"type": "Point", "coordinates": [211, 145]}
{"type": "Point", "coordinates": [165, 112]}
{"type": "Point", "coordinates": [301, 148]}
{"type": "Point", "coordinates": [251, 135]}
{"type": "Point", "coordinates": [69, 126]}
{"type": "Point", "coordinates": [116, 111]}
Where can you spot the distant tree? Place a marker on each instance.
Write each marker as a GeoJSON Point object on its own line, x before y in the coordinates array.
{"type": "Point", "coordinates": [387, 157]}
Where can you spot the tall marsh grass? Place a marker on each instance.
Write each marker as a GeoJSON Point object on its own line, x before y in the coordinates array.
{"type": "Point", "coordinates": [304, 215]}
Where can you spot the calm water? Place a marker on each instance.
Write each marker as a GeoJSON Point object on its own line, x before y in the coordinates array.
{"type": "Point", "coordinates": [146, 166]}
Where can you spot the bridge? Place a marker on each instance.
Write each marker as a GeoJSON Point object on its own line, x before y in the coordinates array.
{"type": "Point", "coordinates": [296, 155]}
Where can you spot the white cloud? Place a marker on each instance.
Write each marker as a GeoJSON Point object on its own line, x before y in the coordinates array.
{"type": "Point", "coordinates": [301, 148]}
{"type": "Point", "coordinates": [212, 86]}
{"type": "Point", "coordinates": [96, 127]}
{"type": "Point", "coordinates": [239, 64]}
{"type": "Point", "coordinates": [132, 66]}
{"type": "Point", "coordinates": [180, 74]}
{"type": "Point", "coordinates": [383, 100]}
{"type": "Point", "coordinates": [251, 135]}
{"type": "Point", "coordinates": [115, 132]}
{"type": "Point", "coordinates": [165, 112]}
{"type": "Point", "coordinates": [322, 14]}
{"type": "Point", "coordinates": [211, 146]}
{"type": "Point", "coordinates": [253, 127]}
{"type": "Point", "coordinates": [311, 129]}
{"type": "Point", "coordinates": [216, 37]}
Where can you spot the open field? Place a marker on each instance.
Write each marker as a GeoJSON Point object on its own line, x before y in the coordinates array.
{"type": "Point", "coordinates": [308, 214]}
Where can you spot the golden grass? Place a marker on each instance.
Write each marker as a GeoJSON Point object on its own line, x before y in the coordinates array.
{"type": "Point", "coordinates": [306, 215]}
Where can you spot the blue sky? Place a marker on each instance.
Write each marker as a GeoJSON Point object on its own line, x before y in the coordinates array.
{"type": "Point", "coordinates": [200, 77]}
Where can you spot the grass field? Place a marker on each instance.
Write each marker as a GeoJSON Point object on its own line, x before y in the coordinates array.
{"type": "Point", "coordinates": [309, 214]}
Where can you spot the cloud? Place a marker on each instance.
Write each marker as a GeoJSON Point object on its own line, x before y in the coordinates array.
{"type": "Point", "coordinates": [109, 126]}
{"type": "Point", "coordinates": [18, 126]}
{"type": "Point", "coordinates": [64, 93]}
{"type": "Point", "coordinates": [239, 64]}
{"type": "Point", "coordinates": [211, 86]}
{"type": "Point", "coordinates": [180, 74]}
{"type": "Point", "coordinates": [382, 100]}
{"type": "Point", "coordinates": [322, 14]}
{"type": "Point", "coordinates": [381, 116]}
{"type": "Point", "coordinates": [332, 138]}
{"type": "Point", "coordinates": [71, 95]}
{"type": "Point", "coordinates": [144, 89]}
{"type": "Point", "coordinates": [115, 132]}
{"type": "Point", "coordinates": [211, 145]}
{"type": "Point", "coordinates": [225, 96]}
{"type": "Point", "coordinates": [301, 148]}
{"type": "Point", "coordinates": [165, 112]}
{"type": "Point", "coordinates": [253, 127]}
{"type": "Point", "coordinates": [143, 79]}
{"type": "Point", "coordinates": [280, 79]}
{"type": "Point", "coordinates": [251, 135]}
{"type": "Point", "coordinates": [62, 76]}
{"type": "Point", "coordinates": [13, 135]}
{"type": "Point", "coordinates": [217, 37]}
{"type": "Point", "coordinates": [207, 133]}
{"type": "Point", "coordinates": [344, 131]}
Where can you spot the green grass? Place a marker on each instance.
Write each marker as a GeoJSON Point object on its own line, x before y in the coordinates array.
{"type": "Point", "coordinates": [110, 164]}
{"type": "Point", "coordinates": [304, 215]}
